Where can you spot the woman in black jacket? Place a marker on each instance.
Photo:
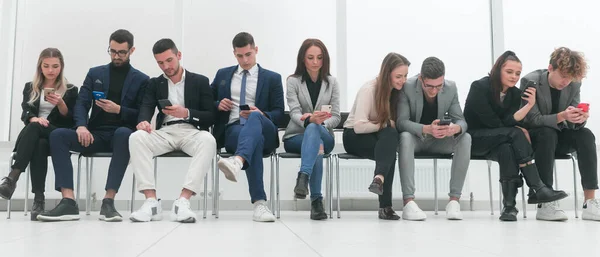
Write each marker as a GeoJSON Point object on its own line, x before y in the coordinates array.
{"type": "Point", "coordinates": [493, 111]}
{"type": "Point", "coordinates": [47, 104]}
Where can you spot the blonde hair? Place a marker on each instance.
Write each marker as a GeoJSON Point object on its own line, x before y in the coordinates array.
{"type": "Point", "coordinates": [569, 63]}
{"type": "Point", "coordinates": [60, 84]}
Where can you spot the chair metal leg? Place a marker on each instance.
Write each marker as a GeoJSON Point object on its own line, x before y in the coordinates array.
{"type": "Point", "coordinates": [132, 195]}
{"type": "Point", "coordinates": [88, 206]}
{"type": "Point", "coordinates": [205, 205]}
{"type": "Point", "coordinates": [499, 197]}
{"type": "Point", "coordinates": [216, 192]}
{"type": "Point", "coordinates": [277, 187]}
{"type": "Point", "coordinates": [272, 182]}
{"type": "Point", "coordinates": [435, 189]}
{"type": "Point", "coordinates": [78, 192]}
{"type": "Point", "coordinates": [555, 177]}
{"type": "Point", "coordinates": [8, 203]}
{"type": "Point", "coordinates": [524, 203]}
{"type": "Point", "coordinates": [328, 189]}
{"type": "Point", "coordinates": [155, 173]}
{"type": "Point", "coordinates": [575, 187]}
{"type": "Point", "coordinates": [337, 183]}
{"type": "Point", "coordinates": [214, 173]}
{"type": "Point", "coordinates": [27, 174]}
{"type": "Point", "coordinates": [489, 165]}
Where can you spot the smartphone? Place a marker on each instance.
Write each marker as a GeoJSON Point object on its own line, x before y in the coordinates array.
{"type": "Point", "coordinates": [163, 103]}
{"type": "Point", "coordinates": [444, 122]}
{"type": "Point", "coordinates": [48, 91]}
{"type": "Point", "coordinates": [585, 107]}
{"type": "Point", "coordinates": [529, 84]}
{"type": "Point", "coordinates": [326, 108]}
{"type": "Point", "coordinates": [244, 107]}
{"type": "Point", "coordinates": [98, 95]}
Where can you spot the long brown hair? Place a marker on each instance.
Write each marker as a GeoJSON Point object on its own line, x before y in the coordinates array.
{"type": "Point", "coordinates": [496, 73]}
{"type": "Point", "coordinates": [301, 68]}
{"type": "Point", "coordinates": [386, 97]}
{"type": "Point", "coordinates": [60, 84]}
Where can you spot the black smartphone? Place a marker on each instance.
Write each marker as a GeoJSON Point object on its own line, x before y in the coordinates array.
{"type": "Point", "coordinates": [529, 84]}
{"type": "Point", "coordinates": [444, 122]}
{"type": "Point", "coordinates": [162, 103]}
{"type": "Point", "coordinates": [244, 107]}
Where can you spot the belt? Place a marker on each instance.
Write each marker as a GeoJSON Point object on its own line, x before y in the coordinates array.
{"type": "Point", "coordinates": [175, 122]}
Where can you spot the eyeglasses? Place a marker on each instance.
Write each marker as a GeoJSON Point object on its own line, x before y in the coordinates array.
{"type": "Point", "coordinates": [430, 87]}
{"type": "Point", "coordinates": [121, 53]}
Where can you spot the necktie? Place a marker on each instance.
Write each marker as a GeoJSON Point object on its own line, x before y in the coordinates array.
{"type": "Point", "coordinates": [243, 94]}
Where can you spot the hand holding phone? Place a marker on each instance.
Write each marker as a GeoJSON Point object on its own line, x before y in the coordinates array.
{"type": "Point", "coordinates": [585, 107]}
{"type": "Point", "coordinates": [48, 91]}
{"type": "Point", "coordinates": [163, 103]}
{"type": "Point", "coordinates": [244, 107]}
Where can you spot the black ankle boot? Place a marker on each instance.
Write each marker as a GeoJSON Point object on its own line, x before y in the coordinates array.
{"type": "Point", "coordinates": [388, 213]}
{"type": "Point", "coordinates": [317, 211]}
{"type": "Point", "coordinates": [542, 193]}
{"type": "Point", "coordinates": [38, 207]}
{"type": "Point", "coordinates": [532, 198]}
{"type": "Point", "coordinates": [301, 188]}
{"type": "Point", "coordinates": [509, 193]}
{"type": "Point", "coordinates": [7, 188]}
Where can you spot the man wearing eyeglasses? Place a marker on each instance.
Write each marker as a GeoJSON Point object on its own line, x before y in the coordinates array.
{"type": "Point", "coordinates": [114, 93]}
{"type": "Point", "coordinates": [430, 121]}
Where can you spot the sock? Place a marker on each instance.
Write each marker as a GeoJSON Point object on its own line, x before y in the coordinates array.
{"type": "Point", "coordinates": [14, 174]}
{"type": "Point", "coordinates": [39, 197]}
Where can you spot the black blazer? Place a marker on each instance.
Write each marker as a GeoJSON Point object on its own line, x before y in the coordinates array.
{"type": "Point", "coordinates": [482, 111]}
{"type": "Point", "coordinates": [198, 99]}
{"type": "Point", "coordinates": [55, 118]}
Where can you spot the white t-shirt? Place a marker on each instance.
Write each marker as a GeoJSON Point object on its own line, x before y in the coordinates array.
{"type": "Point", "coordinates": [45, 108]}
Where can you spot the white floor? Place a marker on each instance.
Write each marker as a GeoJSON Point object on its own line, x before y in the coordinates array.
{"type": "Point", "coordinates": [355, 234]}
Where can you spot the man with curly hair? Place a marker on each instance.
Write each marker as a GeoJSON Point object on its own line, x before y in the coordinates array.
{"type": "Point", "coordinates": [557, 125]}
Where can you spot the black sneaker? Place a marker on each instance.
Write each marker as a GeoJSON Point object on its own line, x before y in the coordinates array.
{"type": "Point", "coordinates": [7, 188]}
{"type": "Point", "coordinates": [67, 209]}
{"type": "Point", "coordinates": [108, 212]}
{"type": "Point", "coordinates": [37, 208]}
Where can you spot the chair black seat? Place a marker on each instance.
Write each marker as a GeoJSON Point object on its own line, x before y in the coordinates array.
{"type": "Point", "coordinates": [296, 155]}
{"type": "Point", "coordinates": [174, 154]}
{"type": "Point", "coordinates": [433, 156]}
{"type": "Point", "coordinates": [479, 158]}
{"type": "Point", "coordinates": [227, 155]}
{"type": "Point", "coordinates": [97, 154]}
{"type": "Point", "coordinates": [562, 156]}
{"type": "Point", "coordinates": [347, 156]}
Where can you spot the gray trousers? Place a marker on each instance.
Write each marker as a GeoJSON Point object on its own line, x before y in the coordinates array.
{"type": "Point", "coordinates": [411, 144]}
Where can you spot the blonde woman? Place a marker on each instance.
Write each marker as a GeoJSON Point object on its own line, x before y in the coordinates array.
{"type": "Point", "coordinates": [47, 104]}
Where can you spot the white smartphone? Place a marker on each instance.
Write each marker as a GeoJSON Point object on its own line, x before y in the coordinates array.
{"type": "Point", "coordinates": [48, 91]}
{"type": "Point", "coordinates": [326, 108]}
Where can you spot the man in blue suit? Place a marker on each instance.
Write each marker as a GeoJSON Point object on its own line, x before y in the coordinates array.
{"type": "Point", "coordinates": [250, 103]}
{"type": "Point", "coordinates": [113, 118]}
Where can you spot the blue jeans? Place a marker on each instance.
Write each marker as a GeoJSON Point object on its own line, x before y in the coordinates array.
{"type": "Point", "coordinates": [251, 141]}
{"type": "Point", "coordinates": [308, 145]}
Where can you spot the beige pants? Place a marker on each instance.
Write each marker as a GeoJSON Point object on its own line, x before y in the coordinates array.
{"type": "Point", "coordinates": [198, 144]}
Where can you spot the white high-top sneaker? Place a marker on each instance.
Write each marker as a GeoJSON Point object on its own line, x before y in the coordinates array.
{"type": "Point", "coordinates": [150, 211]}
{"type": "Point", "coordinates": [591, 210]}
{"type": "Point", "coordinates": [182, 211]}
{"type": "Point", "coordinates": [230, 167]}
{"type": "Point", "coordinates": [262, 212]}
{"type": "Point", "coordinates": [550, 212]}
{"type": "Point", "coordinates": [411, 211]}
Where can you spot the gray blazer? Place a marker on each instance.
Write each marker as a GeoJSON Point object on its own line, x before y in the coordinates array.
{"type": "Point", "coordinates": [299, 101]}
{"type": "Point", "coordinates": [539, 115]}
{"type": "Point", "coordinates": [410, 106]}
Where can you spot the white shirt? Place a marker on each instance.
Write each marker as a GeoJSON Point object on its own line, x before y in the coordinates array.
{"type": "Point", "coordinates": [176, 95]}
{"type": "Point", "coordinates": [236, 86]}
{"type": "Point", "coordinates": [45, 108]}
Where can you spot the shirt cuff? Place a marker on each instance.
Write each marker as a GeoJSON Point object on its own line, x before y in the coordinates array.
{"type": "Point", "coordinates": [188, 117]}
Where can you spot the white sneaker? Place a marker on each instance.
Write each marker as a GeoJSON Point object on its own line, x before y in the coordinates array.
{"type": "Point", "coordinates": [591, 210]}
{"type": "Point", "coordinates": [230, 167]}
{"type": "Point", "coordinates": [262, 212]}
{"type": "Point", "coordinates": [453, 210]}
{"type": "Point", "coordinates": [412, 211]}
{"type": "Point", "coordinates": [182, 212]}
{"type": "Point", "coordinates": [550, 212]}
{"type": "Point", "coordinates": [150, 211]}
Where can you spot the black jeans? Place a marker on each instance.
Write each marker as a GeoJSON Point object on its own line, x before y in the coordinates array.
{"type": "Point", "coordinates": [378, 146]}
{"type": "Point", "coordinates": [547, 142]}
{"type": "Point", "coordinates": [507, 145]}
{"type": "Point", "coordinates": [32, 148]}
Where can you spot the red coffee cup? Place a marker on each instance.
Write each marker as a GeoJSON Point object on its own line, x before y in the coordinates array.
{"type": "Point", "coordinates": [585, 107]}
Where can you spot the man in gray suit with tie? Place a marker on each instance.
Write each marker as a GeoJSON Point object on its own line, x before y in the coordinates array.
{"type": "Point", "coordinates": [430, 120]}
{"type": "Point", "coordinates": [557, 125]}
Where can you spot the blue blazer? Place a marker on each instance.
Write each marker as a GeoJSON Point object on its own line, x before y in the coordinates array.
{"type": "Point", "coordinates": [98, 79]}
{"type": "Point", "coordinates": [269, 98]}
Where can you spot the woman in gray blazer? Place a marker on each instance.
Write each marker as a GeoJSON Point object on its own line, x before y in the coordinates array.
{"type": "Point", "coordinates": [314, 99]}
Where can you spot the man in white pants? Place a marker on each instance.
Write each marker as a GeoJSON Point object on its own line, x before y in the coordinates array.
{"type": "Point", "coordinates": [182, 124]}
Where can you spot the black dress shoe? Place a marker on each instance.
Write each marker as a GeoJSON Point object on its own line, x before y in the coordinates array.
{"type": "Point", "coordinates": [37, 208]}
{"type": "Point", "coordinates": [301, 188]}
{"type": "Point", "coordinates": [376, 186]}
{"type": "Point", "coordinates": [388, 213]}
{"type": "Point", "coordinates": [7, 188]}
{"type": "Point", "coordinates": [317, 211]}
